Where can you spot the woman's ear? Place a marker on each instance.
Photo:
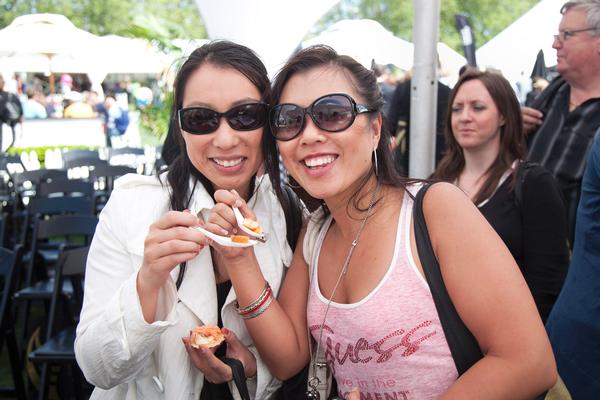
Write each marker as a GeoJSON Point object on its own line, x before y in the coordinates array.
{"type": "Point", "coordinates": [376, 125]}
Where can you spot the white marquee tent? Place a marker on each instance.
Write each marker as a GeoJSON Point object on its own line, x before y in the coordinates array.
{"type": "Point", "coordinates": [514, 50]}
{"type": "Point", "coordinates": [367, 40]}
{"type": "Point", "coordinates": [272, 28]}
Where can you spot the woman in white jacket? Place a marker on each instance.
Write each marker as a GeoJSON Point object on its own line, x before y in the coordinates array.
{"type": "Point", "coordinates": [150, 279]}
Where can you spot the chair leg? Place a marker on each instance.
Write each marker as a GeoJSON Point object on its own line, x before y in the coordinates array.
{"type": "Point", "coordinates": [15, 364]}
{"type": "Point", "coordinates": [76, 373]}
{"type": "Point", "coordinates": [43, 385]}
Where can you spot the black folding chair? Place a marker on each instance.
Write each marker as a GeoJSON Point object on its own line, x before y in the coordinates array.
{"type": "Point", "coordinates": [9, 262]}
{"type": "Point", "coordinates": [77, 154]}
{"type": "Point", "coordinates": [67, 231]}
{"type": "Point", "coordinates": [59, 348]}
{"type": "Point", "coordinates": [65, 188]}
{"type": "Point", "coordinates": [24, 185]}
{"type": "Point", "coordinates": [103, 178]}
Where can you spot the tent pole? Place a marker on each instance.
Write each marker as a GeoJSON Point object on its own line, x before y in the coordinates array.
{"type": "Point", "coordinates": [423, 101]}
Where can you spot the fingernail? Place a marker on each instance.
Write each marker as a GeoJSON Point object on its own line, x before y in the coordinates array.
{"type": "Point", "coordinates": [224, 232]}
{"type": "Point", "coordinates": [225, 331]}
{"type": "Point", "coordinates": [238, 203]}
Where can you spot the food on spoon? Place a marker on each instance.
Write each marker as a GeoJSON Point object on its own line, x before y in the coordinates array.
{"type": "Point", "coordinates": [206, 336]}
{"type": "Point", "coordinates": [252, 225]}
{"type": "Point", "coordinates": [240, 239]}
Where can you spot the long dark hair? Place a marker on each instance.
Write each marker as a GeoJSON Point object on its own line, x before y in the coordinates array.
{"type": "Point", "coordinates": [512, 138]}
{"type": "Point", "coordinates": [224, 54]}
{"type": "Point", "coordinates": [365, 83]}
{"type": "Point", "coordinates": [180, 169]}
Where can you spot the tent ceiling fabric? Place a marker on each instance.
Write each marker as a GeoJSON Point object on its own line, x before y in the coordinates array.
{"type": "Point", "coordinates": [367, 40]}
{"type": "Point", "coordinates": [272, 28]}
{"type": "Point", "coordinates": [514, 50]}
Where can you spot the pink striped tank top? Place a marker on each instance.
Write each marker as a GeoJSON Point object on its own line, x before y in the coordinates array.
{"type": "Point", "coordinates": [390, 344]}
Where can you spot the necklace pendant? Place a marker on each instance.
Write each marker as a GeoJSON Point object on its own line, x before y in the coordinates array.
{"type": "Point", "coordinates": [312, 394]}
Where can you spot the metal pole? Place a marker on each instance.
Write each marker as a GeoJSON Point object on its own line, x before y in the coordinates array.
{"type": "Point", "coordinates": [423, 91]}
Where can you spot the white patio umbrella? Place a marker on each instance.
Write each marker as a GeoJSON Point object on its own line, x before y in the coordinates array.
{"type": "Point", "coordinates": [51, 38]}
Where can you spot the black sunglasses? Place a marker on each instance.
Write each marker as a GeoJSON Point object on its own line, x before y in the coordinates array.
{"type": "Point", "coordinates": [332, 113]}
{"type": "Point", "coordinates": [202, 120]}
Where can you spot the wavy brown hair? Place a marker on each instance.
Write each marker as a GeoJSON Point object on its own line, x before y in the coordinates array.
{"type": "Point", "coordinates": [512, 138]}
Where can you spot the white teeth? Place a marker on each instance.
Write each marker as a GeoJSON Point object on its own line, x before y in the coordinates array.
{"type": "Point", "coordinates": [319, 161]}
{"type": "Point", "coordinates": [228, 163]}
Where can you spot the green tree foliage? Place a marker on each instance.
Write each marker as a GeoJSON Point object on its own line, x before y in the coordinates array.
{"type": "Point", "coordinates": [487, 17]}
{"type": "Point", "coordinates": [175, 18]}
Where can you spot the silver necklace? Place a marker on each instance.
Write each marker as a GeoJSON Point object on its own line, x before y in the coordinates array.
{"type": "Point", "coordinates": [313, 381]}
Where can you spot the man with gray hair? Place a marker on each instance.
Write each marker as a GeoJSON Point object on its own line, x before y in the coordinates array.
{"type": "Point", "coordinates": [563, 120]}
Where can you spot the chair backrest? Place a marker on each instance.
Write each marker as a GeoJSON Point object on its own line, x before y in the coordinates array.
{"type": "Point", "coordinates": [39, 175]}
{"type": "Point", "coordinates": [138, 151]}
{"type": "Point", "coordinates": [71, 265]}
{"type": "Point", "coordinates": [84, 162]}
{"type": "Point", "coordinates": [105, 175]}
{"type": "Point", "coordinates": [42, 207]}
{"type": "Point", "coordinates": [26, 183]}
{"type": "Point", "coordinates": [80, 154]}
{"type": "Point", "coordinates": [68, 230]}
{"type": "Point", "coordinates": [129, 156]}
{"type": "Point", "coordinates": [71, 187]}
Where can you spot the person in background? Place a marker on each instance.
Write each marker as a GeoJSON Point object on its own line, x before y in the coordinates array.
{"type": "Point", "coordinates": [562, 121]}
{"type": "Point", "coordinates": [150, 279]}
{"type": "Point", "coordinates": [574, 324]}
{"type": "Point", "coordinates": [114, 122]}
{"type": "Point", "coordinates": [76, 107]}
{"type": "Point", "coordinates": [399, 119]}
{"type": "Point", "coordinates": [537, 87]}
{"type": "Point", "coordinates": [356, 281]}
{"type": "Point", "coordinates": [32, 107]}
{"type": "Point", "coordinates": [521, 201]}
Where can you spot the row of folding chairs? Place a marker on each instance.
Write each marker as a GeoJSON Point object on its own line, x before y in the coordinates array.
{"type": "Point", "coordinates": [57, 343]}
{"type": "Point", "coordinates": [48, 221]}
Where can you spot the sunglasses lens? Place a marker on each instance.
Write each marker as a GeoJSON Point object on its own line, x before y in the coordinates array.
{"type": "Point", "coordinates": [199, 120]}
{"type": "Point", "coordinates": [247, 117]}
{"type": "Point", "coordinates": [333, 113]}
{"type": "Point", "coordinates": [286, 121]}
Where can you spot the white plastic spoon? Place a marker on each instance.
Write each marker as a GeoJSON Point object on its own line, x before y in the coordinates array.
{"type": "Point", "coordinates": [261, 237]}
{"type": "Point", "coordinates": [225, 240]}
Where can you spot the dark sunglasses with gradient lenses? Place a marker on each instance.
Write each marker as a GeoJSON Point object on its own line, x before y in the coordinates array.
{"type": "Point", "coordinates": [202, 120]}
{"type": "Point", "coordinates": [332, 113]}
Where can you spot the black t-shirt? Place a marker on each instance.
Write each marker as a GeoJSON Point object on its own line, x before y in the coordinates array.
{"type": "Point", "coordinates": [535, 233]}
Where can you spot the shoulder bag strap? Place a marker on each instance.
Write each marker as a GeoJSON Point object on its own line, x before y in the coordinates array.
{"type": "Point", "coordinates": [239, 376]}
{"type": "Point", "coordinates": [463, 346]}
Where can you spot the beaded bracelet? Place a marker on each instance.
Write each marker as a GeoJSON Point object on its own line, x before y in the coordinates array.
{"type": "Point", "coordinates": [261, 308]}
{"type": "Point", "coordinates": [256, 303]}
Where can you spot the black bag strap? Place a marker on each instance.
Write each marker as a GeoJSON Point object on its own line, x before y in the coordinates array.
{"type": "Point", "coordinates": [239, 376]}
{"type": "Point", "coordinates": [463, 346]}
{"type": "Point", "coordinates": [520, 176]}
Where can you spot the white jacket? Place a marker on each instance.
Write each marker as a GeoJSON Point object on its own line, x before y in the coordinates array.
{"type": "Point", "coordinates": [121, 354]}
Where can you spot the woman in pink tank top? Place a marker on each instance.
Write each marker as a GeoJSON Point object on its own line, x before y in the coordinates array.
{"type": "Point", "coordinates": [356, 282]}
